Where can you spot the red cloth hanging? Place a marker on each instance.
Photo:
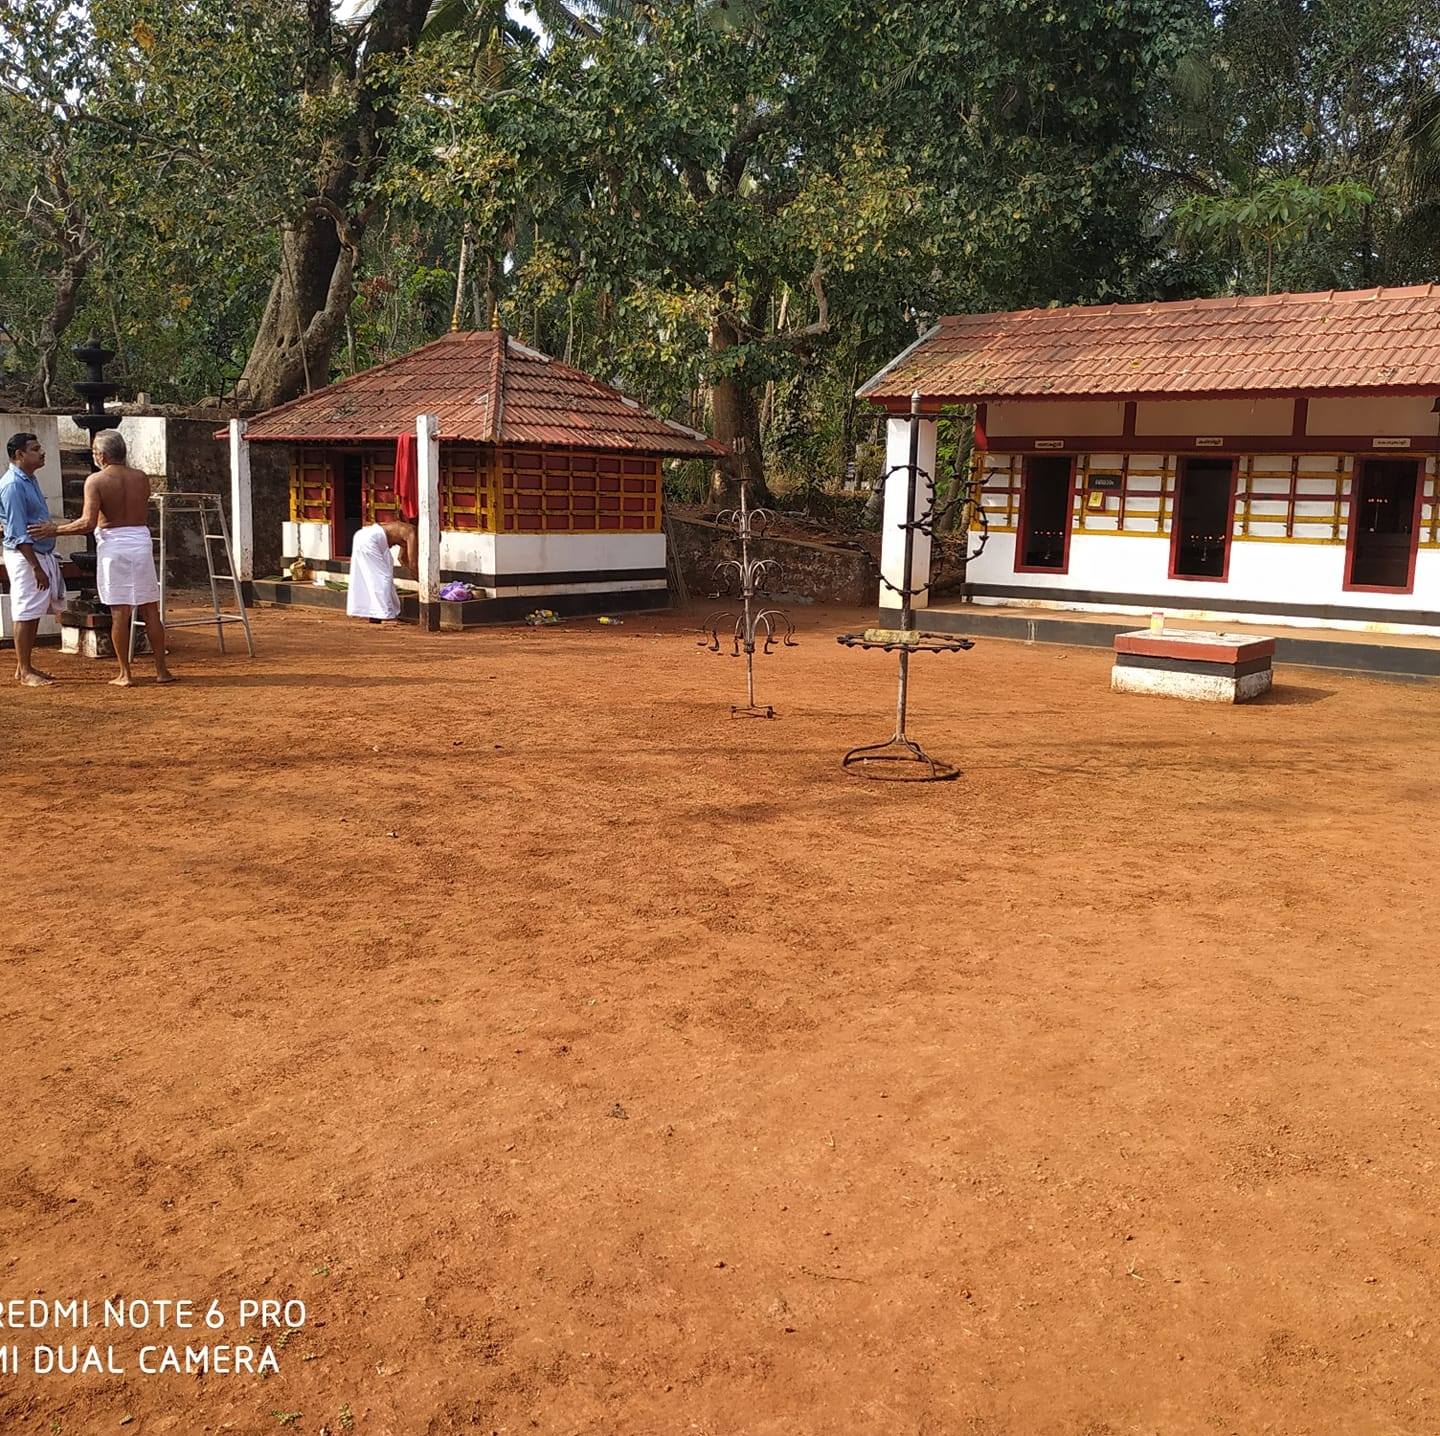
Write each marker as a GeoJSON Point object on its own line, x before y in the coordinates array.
{"type": "Point", "coordinates": [407, 477]}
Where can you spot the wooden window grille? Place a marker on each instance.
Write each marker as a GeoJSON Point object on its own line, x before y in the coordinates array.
{"type": "Point", "coordinates": [1301, 497]}
{"type": "Point", "coordinates": [312, 488]}
{"type": "Point", "coordinates": [997, 477]}
{"type": "Point", "coordinates": [467, 490]}
{"type": "Point", "coordinates": [1430, 505]}
{"type": "Point", "coordinates": [573, 491]}
{"type": "Point", "coordinates": [377, 481]}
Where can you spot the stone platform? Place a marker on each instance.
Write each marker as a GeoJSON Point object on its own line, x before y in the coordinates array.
{"type": "Point", "coordinates": [88, 634]}
{"type": "Point", "coordinates": [1203, 667]}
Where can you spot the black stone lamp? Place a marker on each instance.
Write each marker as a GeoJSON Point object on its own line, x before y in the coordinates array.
{"type": "Point", "coordinates": [95, 389]}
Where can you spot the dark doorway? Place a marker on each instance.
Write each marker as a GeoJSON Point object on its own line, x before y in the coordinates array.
{"type": "Point", "coordinates": [1382, 525]}
{"type": "Point", "coordinates": [1200, 528]}
{"type": "Point", "coordinates": [1045, 515]}
{"type": "Point", "coordinates": [352, 503]}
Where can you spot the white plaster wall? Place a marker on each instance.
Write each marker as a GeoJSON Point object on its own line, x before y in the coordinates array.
{"type": "Point", "coordinates": [1371, 418]}
{"type": "Point", "coordinates": [563, 553]}
{"type": "Point", "coordinates": [513, 553]}
{"type": "Point", "coordinates": [502, 554]}
{"type": "Point", "coordinates": [1300, 573]}
{"type": "Point", "coordinates": [144, 436]}
{"type": "Point", "coordinates": [1057, 418]}
{"type": "Point", "coordinates": [539, 590]}
{"type": "Point", "coordinates": [1196, 417]}
{"type": "Point", "coordinates": [467, 552]}
{"type": "Point", "coordinates": [306, 540]}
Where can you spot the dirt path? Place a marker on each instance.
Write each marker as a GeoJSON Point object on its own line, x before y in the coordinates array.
{"type": "Point", "coordinates": [590, 1063]}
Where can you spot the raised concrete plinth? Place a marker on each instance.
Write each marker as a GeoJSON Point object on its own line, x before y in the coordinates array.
{"type": "Point", "coordinates": [1202, 667]}
{"type": "Point", "coordinates": [88, 634]}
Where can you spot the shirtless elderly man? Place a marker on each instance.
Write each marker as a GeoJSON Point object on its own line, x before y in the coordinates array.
{"type": "Point", "coordinates": [117, 508]}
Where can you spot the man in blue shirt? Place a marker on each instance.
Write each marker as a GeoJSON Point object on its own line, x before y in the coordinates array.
{"type": "Point", "coordinates": [36, 587]}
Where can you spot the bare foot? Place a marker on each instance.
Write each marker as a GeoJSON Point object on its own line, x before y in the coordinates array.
{"type": "Point", "coordinates": [123, 681]}
{"type": "Point", "coordinates": [34, 679]}
{"type": "Point", "coordinates": [167, 677]}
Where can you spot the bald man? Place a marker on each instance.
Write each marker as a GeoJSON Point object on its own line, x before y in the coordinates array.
{"type": "Point", "coordinates": [117, 508]}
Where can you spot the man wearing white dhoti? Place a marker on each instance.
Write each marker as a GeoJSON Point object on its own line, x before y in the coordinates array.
{"type": "Point", "coordinates": [117, 507]}
{"type": "Point", "coordinates": [36, 587]}
{"type": "Point", "coordinates": [373, 594]}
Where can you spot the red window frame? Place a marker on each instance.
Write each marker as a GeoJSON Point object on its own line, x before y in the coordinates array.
{"type": "Point", "coordinates": [1350, 529]}
{"type": "Point", "coordinates": [1022, 518]}
{"type": "Point", "coordinates": [1180, 471]}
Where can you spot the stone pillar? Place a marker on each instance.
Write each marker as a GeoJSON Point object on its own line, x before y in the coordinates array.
{"type": "Point", "coordinates": [892, 545]}
{"type": "Point", "coordinates": [427, 443]}
{"type": "Point", "coordinates": [242, 521]}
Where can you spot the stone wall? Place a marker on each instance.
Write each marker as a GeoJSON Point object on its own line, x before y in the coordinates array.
{"type": "Point", "coordinates": [839, 572]}
{"type": "Point", "coordinates": [197, 462]}
{"type": "Point", "coordinates": [183, 455]}
{"type": "Point", "coordinates": [823, 573]}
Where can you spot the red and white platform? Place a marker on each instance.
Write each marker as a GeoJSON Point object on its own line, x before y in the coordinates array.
{"type": "Point", "coordinates": [1203, 667]}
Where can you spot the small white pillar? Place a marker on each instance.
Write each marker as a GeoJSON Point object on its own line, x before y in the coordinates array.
{"type": "Point", "coordinates": [242, 514]}
{"type": "Point", "coordinates": [427, 444]}
{"type": "Point", "coordinates": [892, 544]}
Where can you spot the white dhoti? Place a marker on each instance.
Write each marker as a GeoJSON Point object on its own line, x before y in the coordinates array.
{"type": "Point", "coordinates": [28, 600]}
{"type": "Point", "coordinates": [125, 566]}
{"type": "Point", "coordinates": [372, 576]}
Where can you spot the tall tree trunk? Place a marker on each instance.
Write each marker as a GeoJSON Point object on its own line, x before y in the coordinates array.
{"type": "Point", "coordinates": [320, 248]}
{"type": "Point", "coordinates": [62, 310]}
{"type": "Point", "coordinates": [298, 329]}
{"type": "Point", "coordinates": [458, 309]}
{"type": "Point", "coordinates": [735, 421]}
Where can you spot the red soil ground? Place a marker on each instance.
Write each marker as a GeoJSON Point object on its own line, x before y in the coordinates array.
{"type": "Point", "coordinates": [588, 1062]}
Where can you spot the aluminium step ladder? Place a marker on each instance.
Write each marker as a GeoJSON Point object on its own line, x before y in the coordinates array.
{"type": "Point", "coordinates": [214, 531]}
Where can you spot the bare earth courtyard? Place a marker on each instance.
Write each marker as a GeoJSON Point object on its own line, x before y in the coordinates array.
{"type": "Point", "coordinates": [587, 1062]}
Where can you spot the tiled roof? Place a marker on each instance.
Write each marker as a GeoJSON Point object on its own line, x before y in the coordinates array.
{"type": "Point", "coordinates": [485, 391]}
{"type": "Point", "coordinates": [1340, 342]}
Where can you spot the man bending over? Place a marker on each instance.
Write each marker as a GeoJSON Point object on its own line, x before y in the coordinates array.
{"type": "Point", "coordinates": [373, 594]}
{"type": "Point", "coordinates": [117, 507]}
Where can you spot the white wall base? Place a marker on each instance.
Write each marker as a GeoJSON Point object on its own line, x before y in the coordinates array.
{"type": "Point", "coordinates": [1307, 575]}
{"type": "Point", "coordinates": [305, 540]}
{"type": "Point", "coordinates": [540, 590]}
{"type": "Point", "coordinates": [1197, 687]}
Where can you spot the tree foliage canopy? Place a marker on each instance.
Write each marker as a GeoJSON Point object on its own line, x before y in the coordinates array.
{"type": "Point", "coordinates": [733, 208]}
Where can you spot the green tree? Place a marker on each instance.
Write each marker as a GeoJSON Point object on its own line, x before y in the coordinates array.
{"type": "Point", "coordinates": [136, 132]}
{"type": "Point", "coordinates": [1292, 152]}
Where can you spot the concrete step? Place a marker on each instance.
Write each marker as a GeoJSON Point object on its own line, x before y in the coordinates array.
{"type": "Point", "coordinates": [1327, 648]}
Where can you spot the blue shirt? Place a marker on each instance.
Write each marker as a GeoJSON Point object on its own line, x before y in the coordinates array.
{"type": "Point", "coordinates": [22, 504]}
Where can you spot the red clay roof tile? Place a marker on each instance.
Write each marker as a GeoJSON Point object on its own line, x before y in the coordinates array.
{"type": "Point", "coordinates": [1359, 341]}
{"type": "Point", "coordinates": [484, 392]}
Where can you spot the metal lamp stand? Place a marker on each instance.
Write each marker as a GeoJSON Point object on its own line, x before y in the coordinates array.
{"type": "Point", "coordinates": [900, 758]}
{"type": "Point", "coordinates": [753, 623]}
